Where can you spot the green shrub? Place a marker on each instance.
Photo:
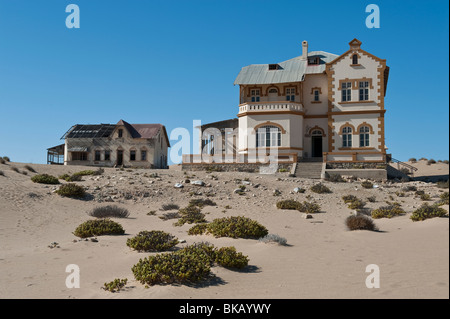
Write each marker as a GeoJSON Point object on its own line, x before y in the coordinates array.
{"type": "Point", "coordinates": [98, 227]}
{"type": "Point", "coordinates": [425, 197]}
{"type": "Point", "coordinates": [237, 227]}
{"type": "Point", "coordinates": [154, 240]}
{"type": "Point", "coordinates": [349, 198]}
{"type": "Point", "coordinates": [115, 285]}
{"type": "Point", "coordinates": [44, 179]}
{"type": "Point", "coordinates": [228, 257]}
{"type": "Point", "coordinates": [372, 199]}
{"type": "Point", "coordinates": [170, 206]}
{"type": "Point", "coordinates": [431, 161]}
{"type": "Point", "coordinates": [367, 184]}
{"type": "Point", "coordinates": [190, 215]}
{"type": "Point", "coordinates": [444, 198]}
{"type": "Point", "coordinates": [89, 172]}
{"type": "Point", "coordinates": [64, 176]}
{"type": "Point", "coordinates": [360, 222]}
{"type": "Point", "coordinates": [426, 211]}
{"type": "Point", "coordinates": [6, 159]}
{"type": "Point", "coordinates": [71, 190]}
{"type": "Point", "coordinates": [200, 202]}
{"type": "Point", "coordinates": [109, 211]}
{"type": "Point", "coordinates": [356, 204]}
{"type": "Point", "coordinates": [336, 178]}
{"type": "Point", "coordinates": [198, 229]}
{"type": "Point", "coordinates": [387, 212]}
{"type": "Point", "coordinates": [320, 189]}
{"type": "Point", "coordinates": [283, 170]}
{"type": "Point", "coordinates": [309, 207]}
{"type": "Point", "coordinates": [288, 204]}
{"type": "Point", "coordinates": [178, 267]}
{"type": "Point", "coordinates": [413, 160]}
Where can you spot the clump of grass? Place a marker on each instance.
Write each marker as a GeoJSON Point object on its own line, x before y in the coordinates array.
{"type": "Point", "coordinates": [274, 238]}
{"type": "Point", "coordinates": [89, 172]}
{"type": "Point", "coordinates": [154, 240]}
{"type": "Point", "coordinates": [6, 159]}
{"type": "Point", "coordinates": [372, 199]}
{"type": "Point", "coordinates": [360, 222]}
{"type": "Point", "coordinates": [413, 160]}
{"type": "Point", "coordinates": [428, 211]}
{"type": "Point", "coordinates": [320, 189]}
{"type": "Point", "coordinates": [409, 188]}
{"type": "Point", "coordinates": [444, 198]}
{"type": "Point", "coordinates": [349, 198]}
{"type": "Point", "coordinates": [336, 178]}
{"type": "Point", "coordinates": [309, 207]}
{"type": "Point", "coordinates": [115, 285]}
{"type": "Point", "coordinates": [15, 169]}
{"type": "Point", "coordinates": [367, 184]}
{"type": "Point", "coordinates": [171, 215]}
{"type": "Point", "coordinates": [44, 179]}
{"type": "Point", "coordinates": [236, 227]}
{"type": "Point", "coordinates": [71, 190]}
{"type": "Point", "coordinates": [356, 204]}
{"type": "Point", "coordinates": [98, 227]}
{"type": "Point", "coordinates": [425, 197]}
{"type": "Point", "coordinates": [112, 211]}
{"type": "Point", "coordinates": [170, 207]}
{"type": "Point", "coordinates": [200, 202]}
{"type": "Point", "coordinates": [431, 161]}
{"type": "Point", "coordinates": [190, 215]}
{"type": "Point", "coordinates": [31, 169]}
{"type": "Point", "coordinates": [151, 213]}
{"type": "Point", "coordinates": [288, 204]}
{"type": "Point", "coordinates": [442, 184]}
{"type": "Point", "coordinates": [388, 211]}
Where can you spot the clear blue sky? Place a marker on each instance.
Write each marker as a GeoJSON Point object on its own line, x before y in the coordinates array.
{"type": "Point", "coordinates": [171, 62]}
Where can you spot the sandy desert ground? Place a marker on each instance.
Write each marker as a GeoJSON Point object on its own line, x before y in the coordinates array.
{"type": "Point", "coordinates": [323, 259]}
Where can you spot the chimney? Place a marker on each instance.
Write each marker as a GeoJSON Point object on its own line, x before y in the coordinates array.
{"type": "Point", "coordinates": [304, 50]}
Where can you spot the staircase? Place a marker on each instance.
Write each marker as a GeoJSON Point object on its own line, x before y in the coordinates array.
{"type": "Point", "coordinates": [311, 170]}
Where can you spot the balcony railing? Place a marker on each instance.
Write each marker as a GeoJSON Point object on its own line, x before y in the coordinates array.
{"type": "Point", "coordinates": [251, 107]}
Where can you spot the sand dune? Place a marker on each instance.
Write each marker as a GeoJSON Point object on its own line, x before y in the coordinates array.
{"type": "Point", "coordinates": [323, 259]}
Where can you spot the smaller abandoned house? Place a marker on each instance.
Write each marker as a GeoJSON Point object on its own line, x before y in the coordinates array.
{"type": "Point", "coordinates": [111, 145]}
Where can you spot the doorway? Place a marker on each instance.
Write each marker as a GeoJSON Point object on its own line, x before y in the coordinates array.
{"type": "Point", "coordinates": [316, 142]}
{"type": "Point", "coordinates": [119, 158]}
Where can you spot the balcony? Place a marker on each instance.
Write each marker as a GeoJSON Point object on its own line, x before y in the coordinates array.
{"type": "Point", "coordinates": [270, 107]}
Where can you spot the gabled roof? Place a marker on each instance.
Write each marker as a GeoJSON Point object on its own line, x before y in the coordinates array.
{"type": "Point", "coordinates": [148, 131]}
{"type": "Point", "coordinates": [292, 70]}
{"type": "Point", "coordinates": [89, 131]}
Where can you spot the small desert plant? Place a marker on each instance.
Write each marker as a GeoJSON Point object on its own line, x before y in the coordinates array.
{"type": "Point", "coordinates": [171, 215]}
{"type": "Point", "coordinates": [64, 176]}
{"type": "Point", "coordinates": [71, 190]}
{"type": "Point", "coordinates": [154, 240]}
{"type": "Point", "coordinates": [371, 199]}
{"type": "Point", "coordinates": [200, 202]}
{"type": "Point", "coordinates": [413, 160]}
{"type": "Point", "coordinates": [228, 257]}
{"type": "Point", "coordinates": [45, 179]}
{"type": "Point", "coordinates": [74, 178]}
{"type": "Point", "coordinates": [236, 227]}
{"type": "Point", "coordinates": [425, 197]}
{"type": "Point", "coordinates": [423, 159]}
{"type": "Point", "coordinates": [388, 211]}
{"type": "Point", "coordinates": [444, 198]}
{"type": "Point", "coordinates": [98, 227]}
{"type": "Point", "coordinates": [170, 207]}
{"type": "Point", "coordinates": [6, 159]}
{"type": "Point", "coordinates": [360, 222]}
{"type": "Point", "coordinates": [427, 211]}
{"type": "Point", "coordinates": [15, 169]}
{"type": "Point", "coordinates": [320, 189]}
{"type": "Point", "coordinates": [409, 188]}
{"type": "Point", "coordinates": [227, 207]}
{"type": "Point", "coordinates": [273, 238]}
{"type": "Point", "coordinates": [152, 213]}
{"type": "Point", "coordinates": [89, 172]}
{"type": "Point", "coordinates": [309, 207]}
{"type": "Point", "coordinates": [109, 211]}
{"type": "Point", "coordinates": [198, 229]}
{"type": "Point", "coordinates": [442, 184]}
{"type": "Point", "coordinates": [2, 173]}
{"type": "Point", "coordinates": [349, 198]}
{"type": "Point", "coordinates": [336, 178]}
{"type": "Point", "coordinates": [115, 285]}
{"type": "Point", "coordinates": [31, 169]}
{"type": "Point", "coordinates": [288, 204]}
{"type": "Point", "coordinates": [190, 215]}
{"type": "Point", "coordinates": [357, 204]}
{"type": "Point", "coordinates": [2, 161]}
{"type": "Point", "coordinates": [431, 161]}
{"type": "Point", "coordinates": [367, 184]}
{"type": "Point", "coordinates": [282, 170]}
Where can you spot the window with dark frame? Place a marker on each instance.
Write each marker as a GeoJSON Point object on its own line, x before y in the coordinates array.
{"type": "Point", "coordinates": [120, 133]}
{"type": "Point", "coordinates": [290, 94]}
{"type": "Point", "coordinates": [107, 155]}
{"type": "Point", "coordinates": [273, 67]}
{"type": "Point", "coordinates": [79, 156]}
{"type": "Point", "coordinates": [97, 156]}
{"type": "Point", "coordinates": [346, 89]}
{"type": "Point", "coordinates": [364, 136]}
{"type": "Point", "coordinates": [316, 96]}
{"type": "Point", "coordinates": [255, 95]}
{"type": "Point", "coordinates": [355, 59]}
{"type": "Point", "coordinates": [132, 155]}
{"type": "Point", "coordinates": [364, 90]}
{"type": "Point", "coordinates": [347, 136]}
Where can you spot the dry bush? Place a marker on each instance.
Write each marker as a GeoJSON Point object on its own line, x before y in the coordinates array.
{"type": "Point", "coordinates": [360, 222]}
{"type": "Point", "coordinates": [109, 211]}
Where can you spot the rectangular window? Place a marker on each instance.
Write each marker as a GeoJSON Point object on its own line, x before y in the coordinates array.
{"type": "Point", "coordinates": [316, 95]}
{"type": "Point", "coordinates": [79, 156]}
{"type": "Point", "coordinates": [143, 155]}
{"type": "Point", "coordinates": [120, 132]}
{"type": "Point", "coordinates": [255, 94]}
{"type": "Point", "coordinates": [290, 94]}
{"type": "Point", "coordinates": [363, 140]}
{"type": "Point", "coordinates": [347, 140]}
{"type": "Point", "coordinates": [364, 91]}
{"type": "Point", "coordinates": [346, 91]}
{"type": "Point", "coordinates": [132, 155]}
{"type": "Point", "coordinates": [97, 155]}
{"type": "Point", "coordinates": [107, 155]}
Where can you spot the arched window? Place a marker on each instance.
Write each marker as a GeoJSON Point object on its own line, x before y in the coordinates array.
{"type": "Point", "coordinates": [347, 136]}
{"type": "Point", "coordinates": [268, 136]}
{"type": "Point", "coordinates": [355, 59]}
{"type": "Point", "coordinates": [316, 133]}
{"type": "Point", "coordinates": [364, 133]}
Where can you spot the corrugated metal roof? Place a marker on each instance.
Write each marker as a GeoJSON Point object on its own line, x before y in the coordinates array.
{"type": "Point", "coordinates": [292, 70]}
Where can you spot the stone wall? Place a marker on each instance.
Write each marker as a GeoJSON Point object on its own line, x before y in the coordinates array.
{"type": "Point", "coordinates": [234, 167]}
{"type": "Point", "coordinates": [360, 165]}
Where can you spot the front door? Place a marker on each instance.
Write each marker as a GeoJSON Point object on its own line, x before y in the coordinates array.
{"type": "Point", "coordinates": [119, 158]}
{"type": "Point", "coordinates": [316, 142]}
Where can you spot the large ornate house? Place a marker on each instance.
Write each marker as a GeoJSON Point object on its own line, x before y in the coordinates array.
{"type": "Point", "coordinates": [317, 106]}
